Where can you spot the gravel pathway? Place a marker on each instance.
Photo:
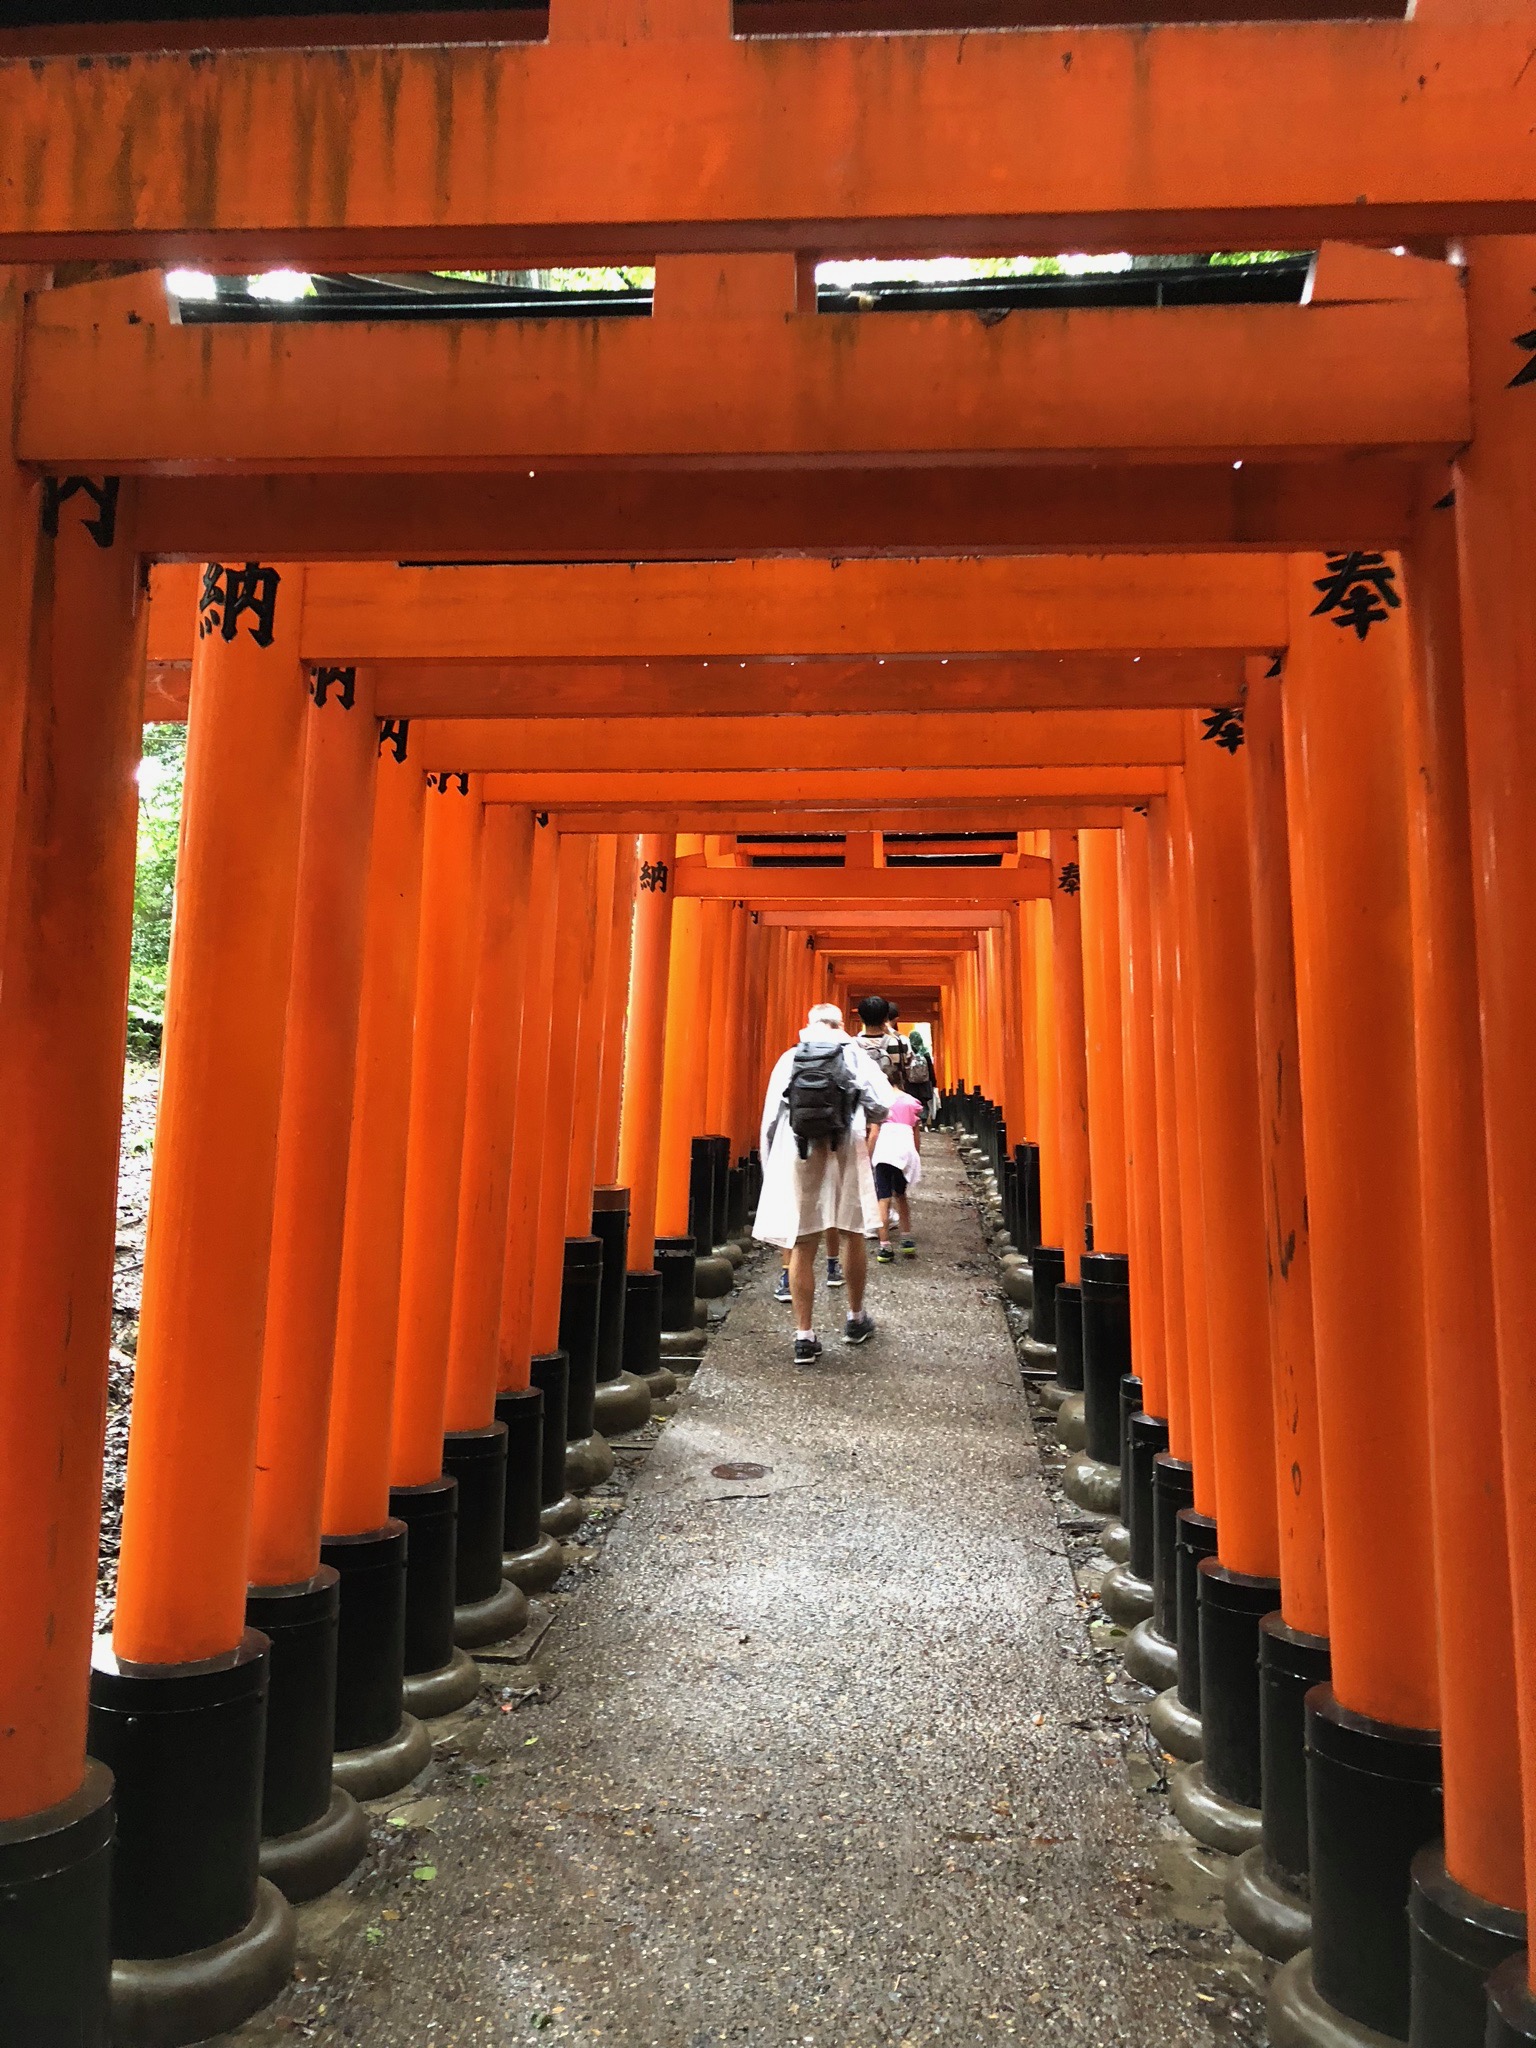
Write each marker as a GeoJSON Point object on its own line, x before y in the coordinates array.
{"type": "Point", "coordinates": [819, 1753]}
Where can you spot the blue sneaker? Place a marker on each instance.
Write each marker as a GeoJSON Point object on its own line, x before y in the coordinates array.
{"type": "Point", "coordinates": [781, 1285]}
{"type": "Point", "coordinates": [834, 1272]}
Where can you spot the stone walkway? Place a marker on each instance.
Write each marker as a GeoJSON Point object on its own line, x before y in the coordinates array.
{"type": "Point", "coordinates": [819, 1754]}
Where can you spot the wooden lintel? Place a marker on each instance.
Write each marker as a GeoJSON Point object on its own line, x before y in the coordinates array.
{"type": "Point", "coordinates": [1173, 136]}
{"type": "Point", "coordinates": [104, 388]}
{"type": "Point", "coordinates": [893, 889]}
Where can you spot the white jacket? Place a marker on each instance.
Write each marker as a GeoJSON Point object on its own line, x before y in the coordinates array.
{"type": "Point", "coordinates": [875, 1093]}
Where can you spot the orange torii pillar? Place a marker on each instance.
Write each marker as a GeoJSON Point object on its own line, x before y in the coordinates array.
{"type": "Point", "coordinates": [1066, 913]}
{"type": "Point", "coordinates": [1469, 1894]}
{"type": "Point", "coordinates": [439, 1674]}
{"type": "Point", "coordinates": [621, 1400]}
{"type": "Point", "coordinates": [683, 1074]}
{"type": "Point", "coordinates": [179, 1692]}
{"type": "Point", "coordinates": [1183, 1476]}
{"type": "Point", "coordinates": [1266, 1895]}
{"type": "Point", "coordinates": [1373, 1756]}
{"type": "Point", "coordinates": [1144, 1391]}
{"type": "Point", "coordinates": [567, 1270]}
{"type": "Point", "coordinates": [79, 665]}
{"type": "Point", "coordinates": [313, 1832]}
{"type": "Point", "coordinates": [1160, 1444]}
{"type": "Point", "coordinates": [714, 1268]}
{"type": "Point", "coordinates": [1496, 521]}
{"type": "Point", "coordinates": [379, 1747]}
{"type": "Point", "coordinates": [1048, 1257]}
{"type": "Point", "coordinates": [1228, 1570]}
{"type": "Point", "coordinates": [623, 1394]}
{"type": "Point", "coordinates": [522, 1368]}
{"type": "Point", "coordinates": [477, 1442]}
{"type": "Point", "coordinates": [1092, 1477]}
{"type": "Point", "coordinates": [640, 1113]}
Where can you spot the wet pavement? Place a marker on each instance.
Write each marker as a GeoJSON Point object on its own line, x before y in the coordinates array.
{"type": "Point", "coordinates": [820, 1751]}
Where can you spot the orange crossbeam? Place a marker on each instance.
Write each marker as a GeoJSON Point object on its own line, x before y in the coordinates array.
{"type": "Point", "coordinates": [791, 789]}
{"type": "Point", "coordinates": [1014, 814]}
{"type": "Point", "coordinates": [556, 515]}
{"type": "Point", "coordinates": [1049, 139]}
{"type": "Point", "coordinates": [936, 606]}
{"type": "Point", "coordinates": [849, 739]}
{"type": "Point", "coordinates": [103, 391]}
{"type": "Point", "coordinates": [889, 888]}
{"type": "Point", "coordinates": [922, 917]}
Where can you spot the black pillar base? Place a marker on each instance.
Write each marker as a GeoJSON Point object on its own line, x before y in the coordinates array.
{"type": "Point", "coordinates": [313, 1833]}
{"type": "Point", "coordinates": [1511, 2006]}
{"type": "Point", "coordinates": [1291, 1662]}
{"type": "Point", "coordinates": [1106, 1299]}
{"type": "Point", "coordinates": [529, 1558]}
{"type": "Point", "coordinates": [1231, 1607]}
{"type": "Point", "coordinates": [1177, 1729]}
{"type": "Point", "coordinates": [55, 1916]}
{"type": "Point", "coordinates": [1373, 1801]}
{"type": "Point", "coordinates": [1300, 2017]}
{"type": "Point", "coordinates": [560, 1512]}
{"type": "Point", "coordinates": [1152, 1656]}
{"type": "Point", "coordinates": [588, 1460]}
{"type": "Point", "coordinates": [1048, 1267]}
{"type": "Point", "coordinates": [379, 1747]}
{"type": "Point", "coordinates": [183, 1999]}
{"type": "Point", "coordinates": [642, 1334]}
{"type": "Point", "coordinates": [487, 1608]}
{"type": "Point", "coordinates": [439, 1677]}
{"type": "Point", "coordinates": [1265, 1908]}
{"type": "Point", "coordinates": [674, 1262]}
{"type": "Point", "coordinates": [1069, 1337]}
{"type": "Point", "coordinates": [314, 1859]}
{"type": "Point", "coordinates": [1457, 1941]}
{"type": "Point", "coordinates": [1194, 1539]}
{"type": "Point", "coordinates": [610, 1226]}
{"type": "Point", "coordinates": [201, 1941]}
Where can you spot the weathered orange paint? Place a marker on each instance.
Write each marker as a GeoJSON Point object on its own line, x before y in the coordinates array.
{"type": "Point", "coordinates": [514, 1342]}
{"type": "Point", "coordinates": [368, 1307]}
{"type": "Point", "coordinates": [385, 156]}
{"type": "Point", "coordinates": [645, 1045]}
{"type": "Point", "coordinates": [1287, 1231]}
{"type": "Point", "coordinates": [104, 387]}
{"type": "Point", "coordinates": [1479, 1711]}
{"type": "Point", "coordinates": [192, 1443]}
{"type": "Point", "coordinates": [610, 1106]}
{"type": "Point", "coordinates": [591, 1028]}
{"type": "Point", "coordinates": [434, 1150]}
{"type": "Point", "coordinates": [1496, 517]}
{"type": "Point", "coordinates": [1197, 1337]}
{"type": "Point", "coordinates": [1149, 1330]}
{"type": "Point", "coordinates": [1344, 758]}
{"type": "Point", "coordinates": [1071, 1046]}
{"type": "Point", "coordinates": [1163, 935]}
{"type": "Point", "coordinates": [62, 1023]}
{"type": "Point", "coordinates": [310, 1195]}
{"type": "Point", "coordinates": [686, 513]}
{"type": "Point", "coordinates": [1099, 860]}
{"type": "Point", "coordinates": [1236, 1287]}
{"type": "Point", "coordinates": [571, 956]}
{"type": "Point", "coordinates": [491, 1113]}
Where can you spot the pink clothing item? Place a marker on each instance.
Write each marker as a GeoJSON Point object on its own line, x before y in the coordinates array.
{"type": "Point", "coordinates": [906, 1109]}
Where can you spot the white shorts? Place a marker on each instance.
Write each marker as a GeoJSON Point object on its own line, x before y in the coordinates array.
{"type": "Point", "coordinates": [826, 1191]}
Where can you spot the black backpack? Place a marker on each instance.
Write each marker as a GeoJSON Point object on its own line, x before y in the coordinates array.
{"type": "Point", "coordinates": [821, 1095]}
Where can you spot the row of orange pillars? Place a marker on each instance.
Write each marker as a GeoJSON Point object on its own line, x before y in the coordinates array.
{"type": "Point", "coordinates": [444, 1102]}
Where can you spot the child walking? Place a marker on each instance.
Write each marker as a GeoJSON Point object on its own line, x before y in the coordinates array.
{"type": "Point", "coordinates": [898, 1163]}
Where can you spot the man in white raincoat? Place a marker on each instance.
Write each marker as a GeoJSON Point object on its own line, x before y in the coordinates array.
{"type": "Point", "coordinates": [813, 1183]}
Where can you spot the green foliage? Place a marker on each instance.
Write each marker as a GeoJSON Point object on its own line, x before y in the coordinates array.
{"type": "Point", "coordinates": [154, 882]}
